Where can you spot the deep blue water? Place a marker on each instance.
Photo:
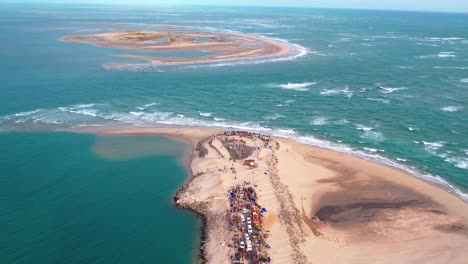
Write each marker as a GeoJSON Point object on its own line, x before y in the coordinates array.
{"type": "Point", "coordinates": [389, 86]}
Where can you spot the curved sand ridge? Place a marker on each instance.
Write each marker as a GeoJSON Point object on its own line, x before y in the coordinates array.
{"type": "Point", "coordinates": [220, 47]}
{"type": "Point", "coordinates": [323, 206]}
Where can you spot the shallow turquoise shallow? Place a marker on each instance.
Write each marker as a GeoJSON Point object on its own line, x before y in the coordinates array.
{"type": "Point", "coordinates": [388, 86]}
{"type": "Point", "coordinates": [62, 203]}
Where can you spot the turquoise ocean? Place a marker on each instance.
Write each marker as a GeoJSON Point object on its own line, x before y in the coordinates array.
{"type": "Point", "coordinates": [388, 86]}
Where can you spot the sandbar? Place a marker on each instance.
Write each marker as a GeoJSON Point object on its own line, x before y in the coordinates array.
{"type": "Point", "coordinates": [214, 46]}
{"type": "Point", "coordinates": [322, 206]}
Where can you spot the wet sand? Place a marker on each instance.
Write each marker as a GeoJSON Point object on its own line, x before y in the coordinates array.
{"type": "Point", "coordinates": [222, 46]}
{"type": "Point", "coordinates": [323, 206]}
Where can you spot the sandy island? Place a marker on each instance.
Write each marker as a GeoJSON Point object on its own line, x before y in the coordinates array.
{"type": "Point", "coordinates": [220, 47]}
{"type": "Point", "coordinates": [322, 206]}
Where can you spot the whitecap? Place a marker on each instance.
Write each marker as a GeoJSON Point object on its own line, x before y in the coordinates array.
{"type": "Point", "coordinates": [27, 113]}
{"type": "Point", "coordinates": [465, 80]}
{"type": "Point", "coordinates": [362, 127]}
{"type": "Point", "coordinates": [385, 101]}
{"type": "Point", "coordinates": [218, 119]}
{"type": "Point", "coordinates": [319, 121]}
{"type": "Point", "coordinates": [346, 91]}
{"type": "Point", "coordinates": [451, 68]}
{"type": "Point", "coordinates": [371, 149]}
{"type": "Point", "coordinates": [89, 112]}
{"type": "Point", "coordinates": [205, 114]}
{"type": "Point", "coordinates": [302, 87]}
{"type": "Point", "coordinates": [459, 162]}
{"type": "Point", "coordinates": [149, 105]}
{"type": "Point", "coordinates": [373, 136]}
{"type": "Point", "coordinates": [387, 90]}
{"type": "Point", "coordinates": [274, 117]}
{"type": "Point", "coordinates": [442, 39]}
{"type": "Point", "coordinates": [432, 147]}
{"type": "Point", "coordinates": [287, 131]}
{"type": "Point", "coordinates": [451, 108]}
{"type": "Point", "coordinates": [446, 54]}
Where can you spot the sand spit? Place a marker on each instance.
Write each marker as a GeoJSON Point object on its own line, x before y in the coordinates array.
{"type": "Point", "coordinates": [322, 206]}
{"type": "Point", "coordinates": [218, 47]}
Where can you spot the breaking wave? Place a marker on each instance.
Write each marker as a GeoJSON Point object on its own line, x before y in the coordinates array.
{"type": "Point", "coordinates": [319, 121]}
{"type": "Point", "coordinates": [446, 54]}
{"type": "Point", "coordinates": [451, 108]}
{"type": "Point", "coordinates": [302, 87]}
{"type": "Point", "coordinates": [346, 91]}
{"type": "Point", "coordinates": [387, 90]}
{"type": "Point", "coordinates": [67, 117]}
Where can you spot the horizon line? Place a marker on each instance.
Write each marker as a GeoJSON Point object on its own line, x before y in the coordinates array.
{"type": "Point", "coordinates": [232, 5]}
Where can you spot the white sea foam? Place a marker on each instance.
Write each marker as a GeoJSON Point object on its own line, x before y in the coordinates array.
{"type": "Point", "coordinates": [451, 68]}
{"type": "Point", "coordinates": [405, 67]}
{"type": "Point", "coordinates": [274, 117]}
{"type": "Point", "coordinates": [446, 54]}
{"type": "Point", "coordinates": [432, 147]}
{"type": "Point", "coordinates": [373, 150]}
{"type": "Point", "coordinates": [59, 117]}
{"type": "Point", "coordinates": [149, 105]}
{"type": "Point", "coordinates": [372, 136]}
{"type": "Point", "coordinates": [27, 113]}
{"type": "Point", "coordinates": [465, 80]}
{"type": "Point", "coordinates": [460, 162]}
{"type": "Point", "coordinates": [451, 108]}
{"type": "Point", "coordinates": [297, 86]}
{"type": "Point", "coordinates": [387, 90]}
{"type": "Point", "coordinates": [319, 121]}
{"type": "Point", "coordinates": [83, 105]}
{"type": "Point", "coordinates": [362, 127]}
{"type": "Point", "coordinates": [205, 114]}
{"type": "Point", "coordinates": [439, 39]}
{"type": "Point", "coordinates": [84, 112]}
{"type": "Point", "coordinates": [218, 119]}
{"type": "Point", "coordinates": [297, 51]}
{"type": "Point", "coordinates": [385, 101]}
{"type": "Point", "coordinates": [346, 91]}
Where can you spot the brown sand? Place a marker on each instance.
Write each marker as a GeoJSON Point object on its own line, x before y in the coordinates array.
{"type": "Point", "coordinates": [323, 206]}
{"type": "Point", "coordinates": [225, 46]}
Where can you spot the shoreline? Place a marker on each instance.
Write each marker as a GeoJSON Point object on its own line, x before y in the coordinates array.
{"type": "Point", "coordinates": [130, 129]}
{"type": "Point", "coordinates": [339, 182]}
